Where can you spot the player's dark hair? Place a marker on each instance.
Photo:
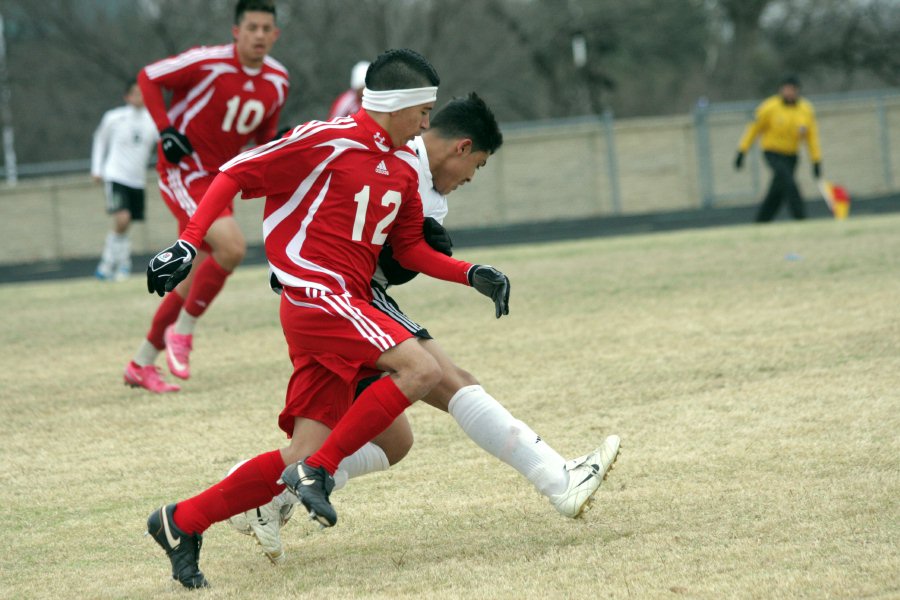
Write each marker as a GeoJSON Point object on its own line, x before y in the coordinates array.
{"type": "Point", "coordinates": [252, 6]}
{"type": "Point", "coordinates": [471, 118]}
{"type": "Point", "coordinates": [400, 69]}
{"type": "Point", "coordinates": [129, 84]}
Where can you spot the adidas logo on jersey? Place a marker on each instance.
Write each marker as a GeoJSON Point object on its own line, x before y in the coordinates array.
{"type": "Point", "coordinates": [249, 87]}
{"type": "Point", "coordinates": [381, 169]}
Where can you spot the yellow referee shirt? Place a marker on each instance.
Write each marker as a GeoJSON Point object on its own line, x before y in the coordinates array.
{"type": "Point", "coordinates": [782, 127]}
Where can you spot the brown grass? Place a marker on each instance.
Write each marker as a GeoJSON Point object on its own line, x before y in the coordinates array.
{"type": "Point", "coordinates": [756, 396]}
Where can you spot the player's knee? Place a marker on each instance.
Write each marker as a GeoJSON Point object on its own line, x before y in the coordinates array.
{"type": "Point", "coordinates": [231, 253]}
{"type": "Point", "coordinates": [399, 448]}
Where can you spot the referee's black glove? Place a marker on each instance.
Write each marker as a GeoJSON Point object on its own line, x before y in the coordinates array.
{"type": "Point", "coordinates": [493, 284]}
{"type": "Point", "coordinates": [436, 236]}
{"type": "Point", "coordinates": [168, 268]}
{"type": "Point", "coordinates": [175, 145]}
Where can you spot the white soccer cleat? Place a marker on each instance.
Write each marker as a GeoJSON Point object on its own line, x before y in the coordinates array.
{"type": "Point", "coordinates": [586, 473]}
{"type": "Point", "coordinates": [265, 523]}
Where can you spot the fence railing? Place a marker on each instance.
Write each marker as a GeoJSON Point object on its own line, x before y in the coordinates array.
{"type": "Point", "coordinates": [552, 170]}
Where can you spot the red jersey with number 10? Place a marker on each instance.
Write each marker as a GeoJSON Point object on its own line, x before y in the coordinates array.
{"type": "Point", "coordinates": [335, 192]}
{"type": "Point", "coordinates": [219, 104]}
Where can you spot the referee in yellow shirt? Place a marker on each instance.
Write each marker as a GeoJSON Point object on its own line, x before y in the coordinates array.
{"type": "Point", "coordinates": [783, 121]}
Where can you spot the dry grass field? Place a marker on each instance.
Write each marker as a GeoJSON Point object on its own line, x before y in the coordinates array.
{"type": "Point", "coordinates": [753, 374]}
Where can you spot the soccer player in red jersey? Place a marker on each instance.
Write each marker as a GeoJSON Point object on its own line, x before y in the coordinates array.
{"type": "Point", "coordinates": [222, 99]}
{"type": "Point", "coordinates": [462, 137]}
{"type": "Point", "coordinates": [335, 192]}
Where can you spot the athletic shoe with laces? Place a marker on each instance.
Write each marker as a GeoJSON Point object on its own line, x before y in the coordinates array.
{"type": "Point", "coordinates": [313, 486]}
{"type": "Point", "coordinates": [264, 523]}
{"type": "Point", "coordinates": [586, 473]}
{"type": "Point", "coordinates": [149, 378]}
{"type": "Point", "coordinates": [182, 549]}
{"type": "Point", "coordinates": [178, 352]}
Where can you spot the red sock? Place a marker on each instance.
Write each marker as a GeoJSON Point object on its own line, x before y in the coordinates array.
{"type": "Point", "coordinates": [208, 282]}
{"type": "Point", "coordinates": [251, 485]}
{"type": "Point", "coordinates": [372, 412]}
{"type": "Point", "coordinates": [165, 315]}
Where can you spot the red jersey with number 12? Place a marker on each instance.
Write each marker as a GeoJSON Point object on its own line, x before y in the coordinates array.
{"type": "Point", "coordinates": [335, 192]}
{"type": "Point", "coordinates": [219, 104]}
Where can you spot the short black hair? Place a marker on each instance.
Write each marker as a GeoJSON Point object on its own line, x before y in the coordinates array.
{"type": "Point", "coordinates": [252, 6]}
{"type": "Point", "coordinates": [400, 69]}
{"type": "Point", "coordinates": [469, 117]}
{"type": "Point", "coordinates": [130, 84]}
{"type": "Point", "coordinates": [791, 80]}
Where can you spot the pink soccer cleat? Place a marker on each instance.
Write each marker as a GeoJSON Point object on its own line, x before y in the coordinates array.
{"type": "Point", "coordinates": [148, 378]}
{"type": "Point", "coordinates": [178, 352]}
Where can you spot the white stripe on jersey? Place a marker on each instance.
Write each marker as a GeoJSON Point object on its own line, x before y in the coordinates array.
{"type": "Point", "coordinates": [409, 158]}
{"type": "Point", "coordinates": [273, 62]}
{"type": "Point", "coordinates": [194, 55]}
{"type": "Point", "coordinates": [178, 192]}
{"type": "Point", "coordinates": [196, 108]}
{"type": "Point", "coordinates": [281, 84]}
{"type": "Point", "coordinates": [215, 70]}
{"type": "Point", "coordinates": [306, 304]}
{"type": "Point", "coordinates": [367, 328]}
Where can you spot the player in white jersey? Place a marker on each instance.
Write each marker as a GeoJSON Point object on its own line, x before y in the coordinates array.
{"type": "Point", "coordinates": [462, 136]}
{"type": "Point", "coordinates": [119, 158]}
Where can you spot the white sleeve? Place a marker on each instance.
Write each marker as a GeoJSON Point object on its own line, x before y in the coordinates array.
{"type": "Point", "coordinates": [100, 146]}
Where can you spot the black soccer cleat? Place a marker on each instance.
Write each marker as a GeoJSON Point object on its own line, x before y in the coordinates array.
{"type": "Point", "coordinates": [183, 549]}
{"type": "Point", "coordinates": [313, 486]}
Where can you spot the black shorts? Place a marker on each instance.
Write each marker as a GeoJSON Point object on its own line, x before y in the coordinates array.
{"type": "Point", "coordinates": [121, 197]}
{"type": "Point", "coordinates": [389, 306]}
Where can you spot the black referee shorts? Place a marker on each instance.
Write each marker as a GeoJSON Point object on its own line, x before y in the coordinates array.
{"type": "Point", "coordinates": [122, 197]}
{"type": "Point", "coordinates": [389, 306]}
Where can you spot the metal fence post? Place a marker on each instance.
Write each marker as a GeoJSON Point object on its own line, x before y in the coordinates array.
{"type": "Point", "coordinates": [612, 164]}
{"type": "Point", "coordinates": [883, 127]}
{"type": "Point", "coordinates": [704, 153]}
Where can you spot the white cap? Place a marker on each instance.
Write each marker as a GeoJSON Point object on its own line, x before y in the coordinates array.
{"type": "Point", "coordinates": [358, 75]}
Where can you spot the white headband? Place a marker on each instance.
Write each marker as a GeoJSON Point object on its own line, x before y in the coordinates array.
{"type": "Point", "coordinates": [390, 100]}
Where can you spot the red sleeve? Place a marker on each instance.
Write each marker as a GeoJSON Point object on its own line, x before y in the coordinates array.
{"type": "Point", "coordinates": [220, 193]}
{"type": "Point", "coordinates": [425, 259]}
{"type": "Point", "coordinates": [153, 100]}
{"type": "Point", "coordinates": [413, 252]}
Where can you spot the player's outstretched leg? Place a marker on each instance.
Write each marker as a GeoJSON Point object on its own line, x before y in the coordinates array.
{"type": "Point", "coordinates": [586, 473]}
{"type": "Point", "coordinates": [178, 352]}
{"type": "Point", "coordinates": [313, 486]}
{"type": "Point", "coordinates": [183, 549]}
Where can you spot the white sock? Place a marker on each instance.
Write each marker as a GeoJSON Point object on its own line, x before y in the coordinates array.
{"type": "Point", "coordinates": [368, 459]}
{"type": "Point", "coordinates": [108, 258]}
{"type": "Point", "coordinates": [493, 428]}
{"type": "Point", "coordinates": [122, 246]}
{"type": "Point", "coordinates": [146, 354]}
{"type": "Point", "coordinates": [185, 323]}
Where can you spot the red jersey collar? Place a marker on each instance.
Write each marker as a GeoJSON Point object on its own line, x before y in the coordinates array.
{"type": "Point", "coordinates": [379, 134]}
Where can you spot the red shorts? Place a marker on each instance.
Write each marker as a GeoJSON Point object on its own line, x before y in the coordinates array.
{"type": "Point", "coordinates": [333, 342]}
{"type": "Point", "coordinates": [182, 191]}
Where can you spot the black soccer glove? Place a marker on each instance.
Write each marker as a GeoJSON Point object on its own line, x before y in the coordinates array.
{"type": "Point", "coordinates": [436, 236]}
{"type": "Point", "coordinates": [168, 268]}
{"type": "Point", "coordinates": [493, 284]}
{"type": "Point", "coordinates": [739, 160]}
{"type": "Point", "coordinates": [817, 170]}
{"type": "Point", "coordinates": [175, 145]}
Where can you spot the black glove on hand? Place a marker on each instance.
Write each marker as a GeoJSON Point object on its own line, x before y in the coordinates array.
{"type": "Point", "coordinates": [739, 160]}
{"type": "Point", "coordinates": [275, 284]}
{"type": "Point", "coordinates": [175, 145]}
{"type": "Point", "coordinates": [436, 236]}
{"type": "Point", "coordinates": [168, 268]}
{"type": "Point", "coordinates": [493, 284]}
{"type": "Point", "coordinates": [817, 170]}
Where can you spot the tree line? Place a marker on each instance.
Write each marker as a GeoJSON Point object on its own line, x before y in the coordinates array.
{"type": "Point", "coordinates": [69, 60]}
